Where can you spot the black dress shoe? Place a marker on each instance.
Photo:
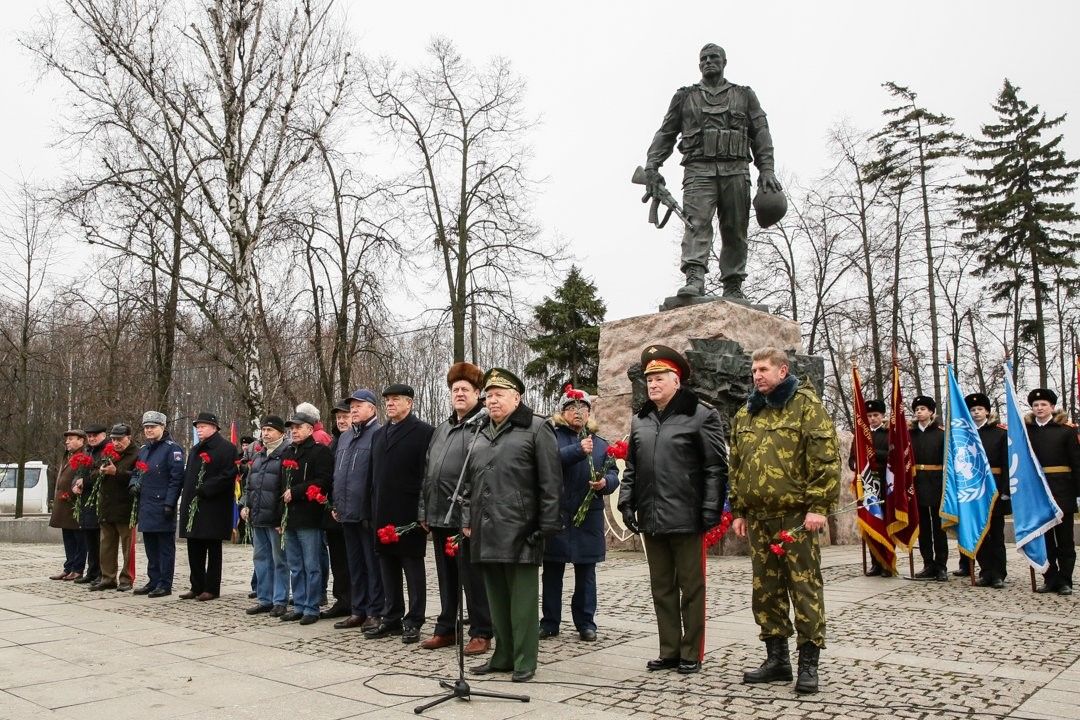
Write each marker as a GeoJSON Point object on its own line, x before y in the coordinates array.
{"type": "Point", "coordinates": [277, 611]}
{"type": "Point", "coordinates": [997, 584]}
{"type": "Point", "coordinates": [874, 571]}
{"type": "Point", "coordinates": [1065, 590]}
{"type": "Point", "coordinates": [662, 664]}
{"type": "Point", "coordinates": [523, 675]}
{"type": "Point", "coordinates": [144, 590]}
{"type": "Point", "coordinates": [960, 573]}
{"type": "Point", "coordinates": [338, 609]}
{"type": "Point", "coordinates": [309, 619]}
{"type": "Point", "coordinates": [545, 633]}
{"type": "Point", "coordinates": [1044, 588]}
{"type": "Point", "coordinates": [353, 621]}
{"type": "Point", "coordinates": [259, 609]}
{"type": "Point", "coordinates": [384, 629]}
{"type": "Point", "coordinates": [942, 575]}
{"type": "Point", "coordinates": [927, 573]}
{"type": "Point", "coordinates": [291, 616]}
{"type": "Point", "coordinates": [486, 669]}
{"type": "Point", "coordinates": [189, 595]}
{"type": "Point", "coordinates": [587, 635]}
{"type": "Point", "coordinates": [252, 595]}
{"type": "Point", "coordinates": [85, 580]}
{"type": "Point", "coordinates": [123, 587]}
{"type": "Point", "coordinates": [103, 586]}
{"type": "Point", "coordinates": [158, 592]}
{"type": "Point", "coordinates": [689, 667]}
{"type": "Point", "coordinates": [410, 634]}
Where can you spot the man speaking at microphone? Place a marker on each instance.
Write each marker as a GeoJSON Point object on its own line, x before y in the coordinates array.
{"type": "Point", "coordinates": [512, 487]}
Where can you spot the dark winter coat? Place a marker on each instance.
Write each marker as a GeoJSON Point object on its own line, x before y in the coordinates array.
{"type": "Point", "coordinates": [676, 474]}
{"type": "Point", "coordinates": [513, 484]}
{"type": "Point", "coordinates": [1058, 451]}
{"type": "Point", "coordinates": [214, 519]}
{"type": "Point", "coordinates": [445, 459]}
{"type": "Point", "coordinates": [63, 509]}
{"type": "Point", "coordinates": [159, 487]}
{"type": "Point", "coordinates": [928, 447]}
{"type": "Point", "coordinates": [352, 473]}
{"type": "Point", "coordinates": [397, 472]}
{"type": "Point", "coordinates": [315, 469]}
{"type": "Point", "coordinates": [995, 441]}
{"type": "Point", "coordinates": [115, 498]}
{"type": "Point", "coordinates": [88, 518]}
{"type": "Point", "coordinates": [880, 437]}
{"type": "Point", "coordinates": [262, 494]}
{"type": "Point", "coordinates": [585, 544]}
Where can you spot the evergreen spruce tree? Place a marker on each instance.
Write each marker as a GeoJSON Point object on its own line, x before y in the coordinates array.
{"type": "Point", "coordinates": [1017, 216]}
{"type": "Point", "coordinates": [568, 351]}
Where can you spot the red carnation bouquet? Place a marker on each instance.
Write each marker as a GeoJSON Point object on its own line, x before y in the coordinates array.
{"type": "Point", "coordinates": [142, 468]}
{"type": "Point", "coordinates": [389, 534]}
{"type": "Point", "coordinates": [616, 451]}
{"type": "Point", "coordinates": [453, 544]}
{"type": "Point", "coordinates": [716, 533]}
{"type": "Point", "coordinates": [204, 457]}
{"type": "Point", "coordinates": [315, 495]}
{"type": "Point", "coordinates": [788, 536]}
{"type": "Point", "coordinates": [289, 465]}
{"type": "Point", "coordinates": [81, 463]}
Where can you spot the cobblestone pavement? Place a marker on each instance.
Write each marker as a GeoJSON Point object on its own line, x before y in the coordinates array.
{"type": "Point", "coordinates": [896, 649]}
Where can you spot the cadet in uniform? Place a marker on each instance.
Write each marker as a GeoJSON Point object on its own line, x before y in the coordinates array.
{"type": "Point", "coordinates": [928, 447]}
{"type": "Point", "coordinates": [1055, 444]}
{"type": "Point", "coordinates": [673, 490]}
{"type": "Point", "coordinates": [879, 434]}
{"type": "Point", "coordinates": [995, 441]}
{"type": "Point", "coordinates": [785, 476]}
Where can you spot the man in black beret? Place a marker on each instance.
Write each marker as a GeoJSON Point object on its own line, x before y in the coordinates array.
{"type": "Point", "coordinates": [928, 447]}
{"type": "Point", "coordinates": [1054, 442]}
{"type": "Point", "coordinates": [995, 442]}
{"type": "Point", "coordinates": [96, 435]}
{"type": "Point", "coordinates": [398, 450]}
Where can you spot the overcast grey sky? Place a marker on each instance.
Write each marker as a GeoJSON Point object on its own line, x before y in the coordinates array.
{"type": "Point", "coordinates": [600, 75]}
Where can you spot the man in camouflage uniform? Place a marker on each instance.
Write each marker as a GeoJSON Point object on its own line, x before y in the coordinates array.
{"type": "Point", "coordinates": [785, 476]}
{"type": "Point", "coordinates": [722, 127]}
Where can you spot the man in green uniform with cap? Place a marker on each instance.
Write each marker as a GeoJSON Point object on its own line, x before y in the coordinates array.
{"type": "Point", "coordinates": [723, 127]}
{"type": "Point", "coordinates": [511, 501]}
{"type": "Point", "coordinates": [785, 477]}
{"type": "Point", "coordinates": [673, 490]}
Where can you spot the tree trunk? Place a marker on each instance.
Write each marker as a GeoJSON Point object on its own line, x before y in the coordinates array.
{"type": "Point", "coordinates": [930, 285]}
{"type": "Point", "coordinates": [1040, 331]}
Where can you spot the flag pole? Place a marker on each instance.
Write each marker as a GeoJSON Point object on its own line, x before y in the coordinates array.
{"type": "Point", "coordinates": [911, 563]}
{"type": "Point", "coordinates": [1032, 571]}
{"type": "Point", "coordinates": [971, 570]}
{"type": "Point", "coordinates": [864, 569]}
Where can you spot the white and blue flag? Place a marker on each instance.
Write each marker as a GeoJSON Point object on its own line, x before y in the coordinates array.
{"type": "Point", "coordinates": [970, 491]}
{"type": "Point", "coordinates": [1033, 507]}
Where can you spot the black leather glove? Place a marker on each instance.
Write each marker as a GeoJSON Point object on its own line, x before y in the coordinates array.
{"type": "Point", "coordinates": [169, 511]}
{"type": "Point", "coordinates": [630, 521]}
{"type": "Point", "coordinates": [710, 518]}
{"type": "Point", "coordinates": [133, 490]}
{"type": "Point", "coordinates": [653, 181]}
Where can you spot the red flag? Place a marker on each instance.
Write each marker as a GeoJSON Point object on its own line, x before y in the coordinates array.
{"type": "Point", "coordinates": [868, 489]}
{"type": "Point", "coordinates": [901, 506]}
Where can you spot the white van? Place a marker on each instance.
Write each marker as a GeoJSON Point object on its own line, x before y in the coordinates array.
{"type": "Point", "coordinates": [35, 490]}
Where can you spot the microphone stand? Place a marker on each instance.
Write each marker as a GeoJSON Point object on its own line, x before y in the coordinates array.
{"type": "Point", "coordinates": [460, 688]}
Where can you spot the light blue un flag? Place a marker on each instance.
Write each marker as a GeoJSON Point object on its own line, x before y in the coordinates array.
{"type": "Point", "coordinates": [970, 491]}
{"type": "Point", "coordinates": [1034, 509]}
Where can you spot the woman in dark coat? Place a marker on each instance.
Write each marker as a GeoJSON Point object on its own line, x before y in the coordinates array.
{"type": "Point", "coordinates": [398, 452]}
{"type": "Point", "coordinates": [214, 458]}
{"type": "Point", "coordinates": [63, 509]}
{"type": "Point", "coordinates": [583, 546]}
{"type": "Point", "coordinates": [307, 466]}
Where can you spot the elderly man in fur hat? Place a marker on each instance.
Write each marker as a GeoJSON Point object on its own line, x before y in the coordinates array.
{"type": "Point", "coordinates": [445, 459]}
{"type": "Point", "coordinates": [1054, 442]}
{"type": "Point", "coordinates": [583, 455]}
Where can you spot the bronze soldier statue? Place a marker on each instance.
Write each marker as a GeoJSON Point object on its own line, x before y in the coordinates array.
{"type": "Point", "coordinates": [723, 127]}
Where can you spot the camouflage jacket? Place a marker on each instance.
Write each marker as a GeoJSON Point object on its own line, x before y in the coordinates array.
{"type": "Point", "coordinates": [784, 457]}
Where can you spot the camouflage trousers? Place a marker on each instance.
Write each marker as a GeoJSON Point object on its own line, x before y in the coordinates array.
{"type": "Point", "coordinates": [783, 581]}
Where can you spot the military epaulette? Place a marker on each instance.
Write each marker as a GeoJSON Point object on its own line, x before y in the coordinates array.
{"type": "Point", "coordinates": [1002, 426]}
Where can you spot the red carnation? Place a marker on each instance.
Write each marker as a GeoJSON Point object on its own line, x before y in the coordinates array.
{"type": "Point", "coordinates": [321, 499]}
{"type": "Point", "coordinates": [618, 450]}
{"type": "Point", "coordinates": [205, 457]}
{"type": "Point", "coordinates": [451, 548]}
{"type": "Point", "coordinates": [312, 493]}
{"type": "Point", "coordinates": [141, 466]}
{"type": "Point", "coordinates": [388, 534]}
{"type": "Point", "coordinates": [787, 537]}
{"type": "Point", "coordinates": [290, 464]}
{"type": "Point", "coordinates": [80, 460]}
{"type": "Point", "coordinates": [110, 452]}
{"type": "Point", "coordinates": [65, 496]}
{"type": "Point", "coordinates": [777, 550]}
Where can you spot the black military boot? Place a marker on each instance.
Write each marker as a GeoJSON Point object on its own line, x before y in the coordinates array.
{"type": "Point", "coordinates": [695, 282]}
{"type": "Point", "coordinates": [733, 290]}
{"type": "Point", "coordinates": [777, 665]}
{"type": "Point", "coordinates": [808, 659]}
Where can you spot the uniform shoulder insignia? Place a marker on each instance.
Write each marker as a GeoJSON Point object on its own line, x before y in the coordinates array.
{"type": "Point", "coordinates": [1002, 426]}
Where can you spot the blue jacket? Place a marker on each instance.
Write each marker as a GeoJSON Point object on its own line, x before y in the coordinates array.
{"type": "Point", "coordinates": [159, 487]}
{"type": "Point", "coordinates": [352, 492]}
{"type": "Point", "coordinates": [585, 544]}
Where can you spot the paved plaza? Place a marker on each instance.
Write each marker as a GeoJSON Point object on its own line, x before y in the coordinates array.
{"type": "Point", "coordinates": [896, 649]}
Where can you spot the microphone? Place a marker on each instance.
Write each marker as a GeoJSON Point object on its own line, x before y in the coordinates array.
{"type": "Point", "coordinates": [480, 418]}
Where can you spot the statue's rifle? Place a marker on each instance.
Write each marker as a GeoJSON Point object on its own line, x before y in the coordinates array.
{"type": "Point", "coordinates": [660, 196]}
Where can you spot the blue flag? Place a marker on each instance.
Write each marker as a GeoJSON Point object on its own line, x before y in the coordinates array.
{"type": "Point", "coordinates": [970, 491]}
{"type": "Point", "coordinates": [1034, 509]}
